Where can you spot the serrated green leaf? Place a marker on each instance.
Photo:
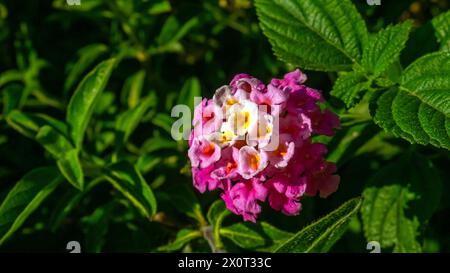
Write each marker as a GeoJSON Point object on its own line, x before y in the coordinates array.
{"type": "Point", "coordinates": [183, 237]}
{"type": "Point", "coordinates": [399, 198]}
{"type": "Point", "coordinates": [418, 110]}
{"type": "Point", "coordinates": [25, 197]}
{"type": "Point", "coordinates": [384, 47]}
{"type": "Point", "coordinates": [323, 234]}
{"type": "Point", "coordinates": [317, 35]}
{"type": "Point", "coordinates": [258, 237]}
{"type": "Point", "coordinates": [441, 24]}
{"type": "Point", "coordinates": [83, 101]}
{"type": "Point", "coordinates": [129, 181]}
{"type": "Point", "coordinates": [350, 86]}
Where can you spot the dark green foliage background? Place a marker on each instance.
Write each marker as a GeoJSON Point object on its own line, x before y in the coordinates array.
{"type": "Point", "coordinates": [166, 51]}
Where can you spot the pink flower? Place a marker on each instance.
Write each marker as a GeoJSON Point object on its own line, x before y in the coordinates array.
{"type": "Point", "coordinates": [203, 153]}
{"type": "Point", "coordinates": [284, 194]}
{"type": "Point", "coordinates": [254, 142]}
{"type": "Point", "coordinates": [324, 123]}
{"type": "Point", "coordinates": [251, 162]}
{"type": "Point", "coordinates": [243, 197]}
{"type": "Point", "coordinates": [285, 151]}
{"type": "Point", "coordinates": [202, 179]}
{"type": "Point", "coordinates": [269, 97]}
{"type": "Point", "coordinates": [245, 83]}
{"type": "Point", "coordinates": [207, 118]}
{"type": "Point", "coordinates": [322, 180]}
{"type": "Point", "coordinates": [227, 166]}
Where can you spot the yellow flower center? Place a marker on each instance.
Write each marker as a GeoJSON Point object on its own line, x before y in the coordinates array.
{"type": "Point", "coordinates": [254, 162]}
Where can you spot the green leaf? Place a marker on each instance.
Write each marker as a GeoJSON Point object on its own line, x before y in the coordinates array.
{"type": "Point", "coordinates": [86, 57]}
{"type": "Point", "coordinates": [217, 211]}
{"type": "Point", "coordinates": [317, 35]}
{"type": "Point", "coordinates": [347, 142]}
{"type": "Point", "coordinates": [53, 141]}
{"type": "Point", "coordinates": [96, 227]}
{"type": "Point", "coordinates": [171, 31]}
{"type": "Point", "coordinates": [132, 89]}
{"type": "Point", "coordinates": [183, 237]}
{"type": "Point", "coordinates": [323, 234]}
{"type": "Point", "coordinates": [29, 124]}
{"type": "Point", "coordinates": [159, 6]}
{"type": "Point", "coordinates": [70, 166]}
{"type": "Point", "coordinates": [63, 151]}
{"type": "Point", "coordinates": [10, 76]}
{"type": "Point", "coordinates": [171, 26]}
{"type": "Point", "coordinates": [216, 214]}
{"type": "Point", "coordinates": [349, 87]}
{"type": "Point", "coordinates": [158, 143]}
{"type": "Point", "coordinates": [129, 181]}
{"type": "Point", "coordinates": [399, 198]}
{"type": "Point", "coordinates": [147, 162]}
{"type": "Point", "coordinates": [383, 48]}
{"type": "Point", "coordinates": [419, 109]}
{"type": "Point", "coordinates": [191, 89]}
{"type": "Point", "coordinates": [441, 25]}
{"type": "Point", "coordinates": [129, 120]}
{"type": "Point", "coordinates": [12, 95]}
{"type": "Point", "coordinates": [69, 200]}
{"type": "Point", "coordinates": [83, 101]}
{"type": "Point", "coordinates": [183, 198]}
{"type": "Point", "coordinates": [258, 237]}
{"type": "Point", "coordinates": [25, 197]}
{"type": "Point", "coordinates": [163, 121]}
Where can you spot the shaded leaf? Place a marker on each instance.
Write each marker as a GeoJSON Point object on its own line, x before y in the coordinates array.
{"type": "Point", "coordinates": [323, 234]}
{"type": "Point", "coordinates": [183, 237]}
{"type": "Point", "coordinates": [398, 199]}
{"type": "Point", "coordinates": [129, 120]}
{"type": "Point", "coordinates": [25, 197]}
{"type": "Point", "coordinates": [191, 89]}
{"type": "Point", "coordinates": [63, 151]}
{"type": "Point", "coordinates": [128, 180]}
{"type": "Point", "coordinates": [259, 237]}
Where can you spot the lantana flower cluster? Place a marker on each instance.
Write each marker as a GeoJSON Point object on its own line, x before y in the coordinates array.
{"type": "Point", "coordinates": [253, 141]}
